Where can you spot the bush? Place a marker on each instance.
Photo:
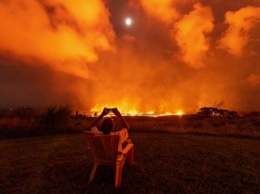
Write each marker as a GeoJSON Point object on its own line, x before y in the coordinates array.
{"type": "Point", "coordinates": [57, 119]}
{"type": "Point", "coordinates": [17, 127]}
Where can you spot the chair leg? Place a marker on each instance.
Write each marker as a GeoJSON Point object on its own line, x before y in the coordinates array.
{"type": "Point", "coordinates": [119, 169]}
{"type": "Point", "coordinates": [93, 172]}
{"type": "Point", "coordinates": [118, 178]}
{"type": "Point", "coordinates": [130, 157]}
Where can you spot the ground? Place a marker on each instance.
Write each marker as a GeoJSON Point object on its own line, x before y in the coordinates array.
{"type": "Point", "coordinates": [165, 163]}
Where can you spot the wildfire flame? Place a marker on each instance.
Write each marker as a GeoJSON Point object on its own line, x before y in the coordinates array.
{"type": "Point", "coordinates": [179, 112]}
{"type": "Point", "coordinates": [133, 112]}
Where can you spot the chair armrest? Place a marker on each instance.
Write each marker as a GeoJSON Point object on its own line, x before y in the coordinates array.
{"type": "Point", "coordinates": [127, 148]}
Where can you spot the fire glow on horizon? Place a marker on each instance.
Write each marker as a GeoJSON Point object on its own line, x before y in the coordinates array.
{"type": "Point", "coordinates": [168, 55]}
{"type": "Point", "coordinates": [179, 112]}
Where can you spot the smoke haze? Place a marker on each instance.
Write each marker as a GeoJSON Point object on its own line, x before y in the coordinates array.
{"type": "Point", "coordinates": [176, 54]}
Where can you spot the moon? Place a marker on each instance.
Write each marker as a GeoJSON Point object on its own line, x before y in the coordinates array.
{"type": "Point", "coordinates": [128, 21]}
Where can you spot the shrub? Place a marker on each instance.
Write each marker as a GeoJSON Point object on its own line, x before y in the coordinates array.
{"type": "Point", "coordinates": [57, 119]}
{"type": "Point", "coordinates": [17, 127]}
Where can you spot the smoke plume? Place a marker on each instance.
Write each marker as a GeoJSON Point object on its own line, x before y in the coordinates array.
{"type": "Point", "coordinates": [175, 55]}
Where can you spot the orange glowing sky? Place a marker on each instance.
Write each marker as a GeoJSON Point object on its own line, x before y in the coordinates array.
{"type": "Point", "coordinates": [175, 55]}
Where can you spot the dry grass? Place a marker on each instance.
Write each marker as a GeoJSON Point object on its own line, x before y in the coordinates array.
{"type": "Point", "coordinates": [165, 163]}
{"type": "Point", "coordinates": [58, 121]}
{"type": "Point", "coordinates": [242, 127]}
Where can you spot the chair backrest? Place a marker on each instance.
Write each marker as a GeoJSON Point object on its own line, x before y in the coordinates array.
{"type": "Point", "coordinates": [104, 148]}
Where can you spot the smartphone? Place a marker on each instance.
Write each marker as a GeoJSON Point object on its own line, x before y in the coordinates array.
{"type": "Point", "coordinates": [111, 109]}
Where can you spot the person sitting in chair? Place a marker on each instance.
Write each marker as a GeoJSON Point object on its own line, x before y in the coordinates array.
{"type": "Point", "coordinates": [106, 128]}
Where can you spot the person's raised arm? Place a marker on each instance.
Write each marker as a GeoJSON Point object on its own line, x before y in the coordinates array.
{"type": "Point", "coordinates": [98, 119]}
{"type": "Point", "coordinates": [124, 122]}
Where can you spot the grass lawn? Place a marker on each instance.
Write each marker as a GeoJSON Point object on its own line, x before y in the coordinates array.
{"type": "Point", "coordinates": [165, 163]}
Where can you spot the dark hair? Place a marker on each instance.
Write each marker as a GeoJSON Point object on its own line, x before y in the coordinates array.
{"type": "Point", "coordinates": [107, 125]}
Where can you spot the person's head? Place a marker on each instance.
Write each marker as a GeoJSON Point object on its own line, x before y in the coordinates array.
{"type": "Point", "coordinates": [107, 125]}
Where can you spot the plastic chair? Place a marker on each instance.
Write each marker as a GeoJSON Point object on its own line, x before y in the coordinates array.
{"type": "Point", "coordinates": [104, 150]}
